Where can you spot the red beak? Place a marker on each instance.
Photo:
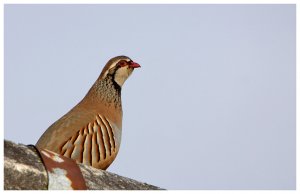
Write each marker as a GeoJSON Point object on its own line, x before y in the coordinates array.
{"type": "Point", "coordinates": [134, 65]}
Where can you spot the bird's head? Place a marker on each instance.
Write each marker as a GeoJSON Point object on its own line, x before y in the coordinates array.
{"type": "Point", "coordinates": [120, 68]}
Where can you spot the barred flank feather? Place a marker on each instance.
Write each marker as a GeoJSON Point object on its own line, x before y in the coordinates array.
{"type": "Point", "coordinates": [93, 144]}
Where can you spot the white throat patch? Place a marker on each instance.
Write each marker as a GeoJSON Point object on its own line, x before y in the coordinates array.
{"type": "Point", "coordinates": [122, 74]}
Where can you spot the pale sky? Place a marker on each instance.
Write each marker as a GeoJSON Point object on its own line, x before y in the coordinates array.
{"type": "Point", "coordinates": [213, 106]}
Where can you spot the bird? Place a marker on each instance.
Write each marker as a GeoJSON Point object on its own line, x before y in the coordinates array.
{"type": "Point", "coordinates": [90, 133]}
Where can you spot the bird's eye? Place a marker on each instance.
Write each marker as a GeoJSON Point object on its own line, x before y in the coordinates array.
{"type": "Point", "coordinates": [122, 63]}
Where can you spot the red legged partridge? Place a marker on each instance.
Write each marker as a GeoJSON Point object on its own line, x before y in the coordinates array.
{"type": "Point", "coordinates": [90, 133]}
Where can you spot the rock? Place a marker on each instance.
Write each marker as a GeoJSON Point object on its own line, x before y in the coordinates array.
{"type": "Point", "coordinates": [24, 170]}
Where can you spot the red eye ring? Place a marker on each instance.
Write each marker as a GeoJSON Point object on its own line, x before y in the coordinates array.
{"type": "Point", "coordinates": [122, 63]}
